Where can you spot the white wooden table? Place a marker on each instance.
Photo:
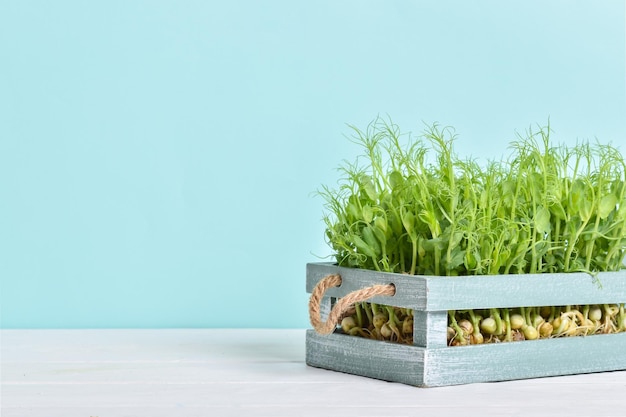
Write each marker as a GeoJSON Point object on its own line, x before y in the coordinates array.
{"type": "Point", "coordinates": [151, 373]}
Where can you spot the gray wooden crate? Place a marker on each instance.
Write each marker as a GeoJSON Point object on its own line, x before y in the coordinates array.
{"type": "Point", "coordinates": [430, 362]}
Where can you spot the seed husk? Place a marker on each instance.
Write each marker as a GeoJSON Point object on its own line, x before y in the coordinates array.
{"type": "Point", "coordinates": [530, 333]}
{"type": "Point", "coordinates": [379, 320]}
{"type": "Point", "coordinates": [488, 325]}
{"type": "Point", "coordinates": [466, 326]}
{"type": "Point", "coordinates": [385, 331]}
{"type": "Point", "coordinates": [517, 321]}
{"type": "Point", "coordinates": [545, 330]}
{"type": "Point", "coordinates": [347, 324]}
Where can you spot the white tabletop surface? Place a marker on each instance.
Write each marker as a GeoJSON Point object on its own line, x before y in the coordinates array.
{"type": "Point", "coordinates": [152, 373]}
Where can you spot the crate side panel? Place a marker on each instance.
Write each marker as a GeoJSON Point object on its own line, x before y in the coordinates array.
{"type": "Point", "coordinates": [527, 359]}
{"type": "Point", "coordinates": [410, 289]}
{"type": "Point", "coordinates": [525, 290]}
{"type": "Point", "coordinates": [370, 358]}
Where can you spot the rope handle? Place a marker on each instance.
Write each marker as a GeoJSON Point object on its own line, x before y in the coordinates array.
{"type": "Point", "coordinates": [343, 305]}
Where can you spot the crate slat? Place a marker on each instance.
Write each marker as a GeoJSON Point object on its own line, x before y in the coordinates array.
{"type": "Point", "coordinates": [526, 359]}
{"type": "Point", "coordinates": [436, 293]}
{"type": "Point", "coordinates": [410, 290]}
{"type": "Point", "coordinates": [414, 365]}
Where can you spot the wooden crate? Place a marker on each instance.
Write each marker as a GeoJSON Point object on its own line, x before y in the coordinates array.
{"type": "Point", "coordinates": [429, 362]}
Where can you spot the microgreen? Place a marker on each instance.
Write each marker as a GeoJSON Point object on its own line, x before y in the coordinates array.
{"type": "Point", "coordinates": [410, 205]}
{"type": "Point", "coordinates": [415, 207]}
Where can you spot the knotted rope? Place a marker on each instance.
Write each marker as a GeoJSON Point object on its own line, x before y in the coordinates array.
{"type": "Point", "coordinates": [343, 304]}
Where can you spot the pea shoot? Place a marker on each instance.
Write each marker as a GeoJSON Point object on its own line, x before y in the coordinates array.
{"type": "Point", "coordinates": [410, 205]}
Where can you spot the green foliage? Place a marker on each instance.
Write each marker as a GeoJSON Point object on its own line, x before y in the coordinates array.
{"type": "Point", "coordinates": [410, 205]}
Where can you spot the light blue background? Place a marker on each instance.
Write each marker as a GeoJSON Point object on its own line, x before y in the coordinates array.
{"type": "Point", "coordinates": [158, 158]}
